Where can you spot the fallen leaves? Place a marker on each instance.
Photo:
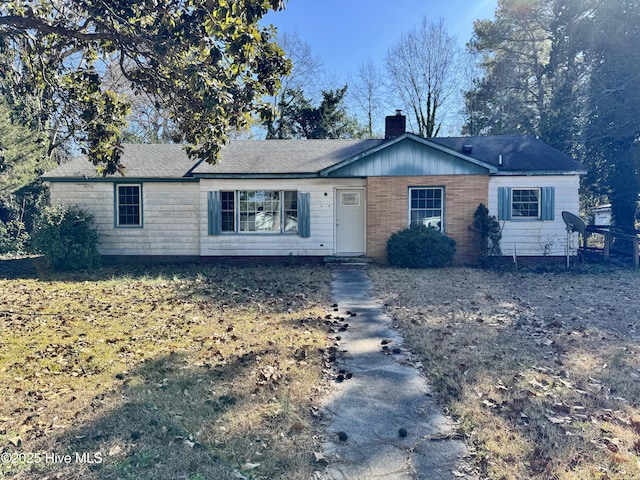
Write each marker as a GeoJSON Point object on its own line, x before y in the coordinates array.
{"type": "Point", "coordinates": [87, 350]}
{"type": "Point", "coordinates": [552, 359]}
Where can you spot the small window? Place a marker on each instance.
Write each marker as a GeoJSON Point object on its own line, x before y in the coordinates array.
{"type": "Point", "coordinates": [228, 211]}
{"type": "Point", "coordinates": [128, 206]}
{"type": "Point", "coordinates": [525, 203]}
{"type": "Point", "coordinates": [426, 207]}
{"type": "Point", "coordinates": [350, 199]}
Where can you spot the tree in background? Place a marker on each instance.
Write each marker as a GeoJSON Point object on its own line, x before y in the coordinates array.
{"type": "Point", "coordinates": [207, 63]}
{"type": "Point", "coordinates": [566, 72]}
{"type": "Point", "coordinates": [148, 121]}
{"type": "Point", "coordinates": [511, 96]}
{"type": "Point", "coordinates": [22, 153]}
{"type": "Point", "coordinates": [568, 76]}
{"type": "Point", "coordinates": [422, 69]}
{"type": "Point", "coordinates": [330, 119]}
{"type": "Point", "coordinates": [612, 134]}
{"type": "Point", "coordinates": [303, 76]}
{"type": "Point", "coordinates": [366, 94]}
{"type": "Point", "coordinates": [23, 157]}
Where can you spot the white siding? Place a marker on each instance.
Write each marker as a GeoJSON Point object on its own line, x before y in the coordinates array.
{"type": "Point", "coordinates": [321, 241]}
{"type": "Point", "coordinates": [171, 213]}
{"type": "Point", "coordinates": [533, 237]}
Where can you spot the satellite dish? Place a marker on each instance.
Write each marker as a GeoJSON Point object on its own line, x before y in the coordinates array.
{"type": "Point", "coordinates": [574, 224]}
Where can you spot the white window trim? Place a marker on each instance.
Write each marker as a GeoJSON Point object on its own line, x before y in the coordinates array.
{"type": "Point", "coordinates": [117, 206]}
{"type": "Point", "coordinates": [281, 208]}
{"type": "Point", "coordinates": [442, 207]}
{"type": "Point", "coordinates": [526, 218]}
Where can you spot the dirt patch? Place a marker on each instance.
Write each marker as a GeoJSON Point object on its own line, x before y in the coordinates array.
{"type": "Point", "coordinates": [542, 370]}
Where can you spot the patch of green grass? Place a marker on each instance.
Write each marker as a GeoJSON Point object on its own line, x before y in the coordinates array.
{"type": "Point", "coordinates": [167, 372]}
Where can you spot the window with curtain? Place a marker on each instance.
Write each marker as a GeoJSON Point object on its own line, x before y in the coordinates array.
{"type": "Point", "coordinates": [259, 211]}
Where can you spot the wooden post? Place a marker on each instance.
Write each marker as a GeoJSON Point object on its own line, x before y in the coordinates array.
{"type": "Point", "coordinates": [636, 255]}
{"type": "Point", "coordinates": [607, 245]}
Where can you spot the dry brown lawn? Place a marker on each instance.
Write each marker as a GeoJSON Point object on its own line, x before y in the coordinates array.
{"type": "Point", "coordinates": [541, 370]}
{"type": "Point", "coordinates": [195, 372]}
{"type": "Point", "coordinates": [202, 372]}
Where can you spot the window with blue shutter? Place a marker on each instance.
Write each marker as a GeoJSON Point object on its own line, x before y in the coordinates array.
{"type": "Point", "coordinates": [526, 203]}
{"type": "Point", "coordinates": [258, 211]}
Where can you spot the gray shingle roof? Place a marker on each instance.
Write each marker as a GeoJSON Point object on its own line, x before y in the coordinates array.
{"type": "Point", "coordinates": [519, 153]}
{"type": "Point", "coordinates": [237, 157]}
{"type": "Point", "coordinates": [140, 161]}
{"type": "Point", "coordinates": [300, 157]}
{"type": "Point", "coordinates": [284, 156]}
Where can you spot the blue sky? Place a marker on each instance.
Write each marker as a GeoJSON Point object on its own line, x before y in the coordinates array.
{"type": "Point", "coordinates": [344, 33]}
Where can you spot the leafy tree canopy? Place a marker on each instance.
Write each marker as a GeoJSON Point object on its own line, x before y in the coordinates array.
{"type": "Point", "coordinates": [205, 61]}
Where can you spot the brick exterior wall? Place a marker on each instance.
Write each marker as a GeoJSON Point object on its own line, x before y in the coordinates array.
{"type": "Point", "coordinates": [388, 210]}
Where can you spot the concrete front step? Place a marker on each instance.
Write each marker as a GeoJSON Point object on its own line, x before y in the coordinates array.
{"type": "Point", "coordinates": [354, 261]}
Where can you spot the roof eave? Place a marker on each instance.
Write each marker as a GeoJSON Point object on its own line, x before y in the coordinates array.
{"type": "Point", "coordinates": [118, 179]}
{"type": "Point", "coordinates": [256, 175]}
{"type": "Point", "coordinates": [531, 173]}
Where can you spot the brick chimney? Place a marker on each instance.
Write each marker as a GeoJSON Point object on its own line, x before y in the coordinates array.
{"type": "Point", "coordinates": [395, 125]}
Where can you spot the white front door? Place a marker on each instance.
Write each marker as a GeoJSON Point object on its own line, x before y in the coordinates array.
{"type": "Point", "coordinates": [350, 221]}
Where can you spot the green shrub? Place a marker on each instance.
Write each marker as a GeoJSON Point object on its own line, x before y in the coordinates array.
{"type": "Point", "coordinates": [13, 237]}
{"type": "Point", "coordinates": [67, 237]}
{"type": "Point", "coordinates": [488, 233]}
{"type": "Point", "coordinates": [420, 247]}
{"type": "Point", "coordinates": [18, 211]}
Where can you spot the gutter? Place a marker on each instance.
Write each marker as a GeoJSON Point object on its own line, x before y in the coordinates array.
{"type": "Point", "coordinates": [532, 173]}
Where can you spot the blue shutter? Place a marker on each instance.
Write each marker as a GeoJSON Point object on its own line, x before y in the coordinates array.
{"type": "Point", "coordinates": [547, 203]}
{"type": "Point", "coordinates": [504, 203]}
{"type": "Point", "coordinates": [304, 215]}
{"type": "Point", "coordinates": [214, 213]}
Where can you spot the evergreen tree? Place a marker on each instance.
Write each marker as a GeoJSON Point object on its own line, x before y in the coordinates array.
{"type": "Point", "coordinates": [330, 119]}
{"type": "Point", "coordinates": [612, 133]}
{"type": "Point", "coordinates": [23, 157]}
{"type": "Point", "coordinates": [22, 153]}
{"type": "Point", "coordinates": [567, 72]}
{"type": "Point", "coordinates": [512, 95]}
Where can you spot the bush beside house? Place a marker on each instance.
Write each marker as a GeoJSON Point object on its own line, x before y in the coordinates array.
{"type": "Point", "coordinates": [420, 247]}
{"type": "Point", "coordinates": [67, 237]}
{"type": "Point", "coordinates": [488, 234]}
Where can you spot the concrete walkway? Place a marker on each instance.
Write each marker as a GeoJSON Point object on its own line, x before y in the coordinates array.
{"type": "Point", "coordinates": [382, 422]}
